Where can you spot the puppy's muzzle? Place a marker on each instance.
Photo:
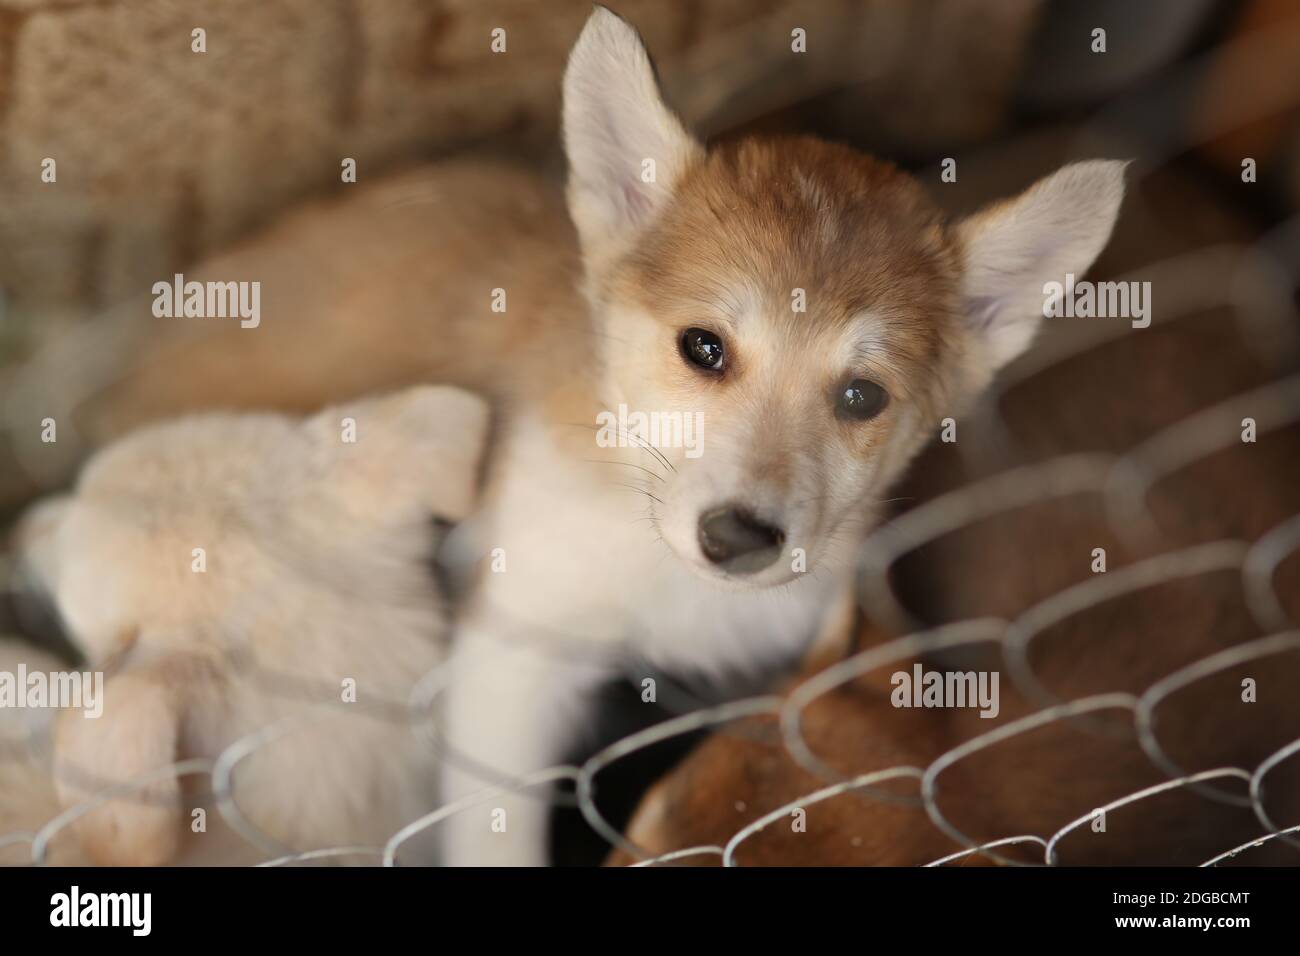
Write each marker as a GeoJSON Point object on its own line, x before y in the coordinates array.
{"type": "Point", "coordinates": [737, 541]}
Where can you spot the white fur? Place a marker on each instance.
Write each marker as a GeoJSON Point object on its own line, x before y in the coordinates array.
{"type": "Point", "coordinates": [585, 591]}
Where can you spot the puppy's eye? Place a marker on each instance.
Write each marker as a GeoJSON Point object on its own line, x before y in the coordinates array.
{"type": "Point", "coordinates": [703, 348]}
{"type": "Point", "coordinates": [861, 400]}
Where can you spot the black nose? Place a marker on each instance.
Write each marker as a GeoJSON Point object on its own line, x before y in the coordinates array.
{"type": "Point", "coordinates": [733, 538]}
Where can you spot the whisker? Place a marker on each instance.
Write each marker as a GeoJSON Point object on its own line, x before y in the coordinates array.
{"type": "Point", "coordinates": [639, 491]}
{"type": "Point", "coordinates": [626, 464]}
{"type": "Point", "coordinates": [636, 440]}
{"type": "Point", "coordinates": [649, 447]}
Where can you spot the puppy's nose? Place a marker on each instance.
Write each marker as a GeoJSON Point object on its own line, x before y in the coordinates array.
{"type": "Point", "coordinates": [735, 539]}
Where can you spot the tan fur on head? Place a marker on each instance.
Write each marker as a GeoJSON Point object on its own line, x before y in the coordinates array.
{"type": "Point", "coordinates": [316, 539]}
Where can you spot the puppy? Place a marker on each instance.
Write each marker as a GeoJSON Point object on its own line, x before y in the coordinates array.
{"type": "Point", "coordinates": [237, 575]}
{"type": "Point", "coordinates": [812, 313]}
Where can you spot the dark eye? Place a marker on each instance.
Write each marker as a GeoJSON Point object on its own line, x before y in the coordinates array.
{"type": "Point", "coordinates": [861, 400]}
{"type": "Point", "coordinates": [702, 348]}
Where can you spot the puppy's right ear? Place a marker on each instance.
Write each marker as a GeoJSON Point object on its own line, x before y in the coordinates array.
{"type": "Point", "coordinates": [626, 149]}
{"type": "Point", "coordinates": [1012, 249]}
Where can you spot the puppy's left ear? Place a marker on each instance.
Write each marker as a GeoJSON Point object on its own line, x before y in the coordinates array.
{"type": "Point", "coordinates": [1011, 250]}
{"type": "Point", "coordinates": [626, 149]}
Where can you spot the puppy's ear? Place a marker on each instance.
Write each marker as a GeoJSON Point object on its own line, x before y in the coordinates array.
{"type": "Point", "coordinates": [626, 149]}
{"type": "Point", "coordinates": [1012, 249]}
{"type": "Point", "coordinates": [36, 543]}
{"type": "Point", "coordinates": [404, 456]}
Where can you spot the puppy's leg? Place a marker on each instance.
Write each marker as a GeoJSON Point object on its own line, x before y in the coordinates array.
{"type": "Point", "coordinates": [138, 732]}
{"type": "Point", "coordinates": [513, 708]}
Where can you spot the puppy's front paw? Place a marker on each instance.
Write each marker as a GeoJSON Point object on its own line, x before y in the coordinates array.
{"type": "Point", "coordinates": [133, 738]}
{"type": "Point", "coordinates": [132, 832]}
